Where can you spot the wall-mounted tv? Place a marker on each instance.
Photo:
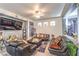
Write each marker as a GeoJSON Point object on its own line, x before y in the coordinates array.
{"type": "Point", "coordinates": [9, 24]}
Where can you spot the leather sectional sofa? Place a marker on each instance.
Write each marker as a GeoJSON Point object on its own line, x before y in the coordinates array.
{"type": "Point", "coordinates": [20, 48]}
{"type": "Point", "coordinates": [58, 46]}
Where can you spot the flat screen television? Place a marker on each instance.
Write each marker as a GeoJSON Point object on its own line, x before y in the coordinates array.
{"type": "Point", "coordinates": [9, 24]}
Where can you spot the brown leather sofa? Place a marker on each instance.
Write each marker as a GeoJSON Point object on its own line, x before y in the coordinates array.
{"type": "Point", "coordinates": [42, 36]}
{"type": "Point", "coordinates": [58, 47]}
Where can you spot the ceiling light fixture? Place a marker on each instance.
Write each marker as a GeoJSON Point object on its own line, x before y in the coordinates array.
{"type": "Point", "coordinates": [38, 14]}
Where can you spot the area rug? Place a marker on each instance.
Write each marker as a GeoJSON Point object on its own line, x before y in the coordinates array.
{"type": "Point", "coordinates": [43, 47]}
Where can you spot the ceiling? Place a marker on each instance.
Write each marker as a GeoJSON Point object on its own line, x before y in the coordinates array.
{"type": "Point", "coordinates": [27, 9]}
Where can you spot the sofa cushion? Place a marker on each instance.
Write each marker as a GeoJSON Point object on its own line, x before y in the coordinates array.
{"type": "Point", "coordinates": [56, 43]}
{"type": "Point", "coordinates": [55, 46]}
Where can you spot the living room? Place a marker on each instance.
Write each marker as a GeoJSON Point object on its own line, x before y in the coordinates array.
{"type": "Point", "coordinates": [43, 29]}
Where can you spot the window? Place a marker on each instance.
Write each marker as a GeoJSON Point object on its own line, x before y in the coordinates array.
{"type": "Point", "coordinates": [39, 24]}
{"type": "Point", "coordinates": [45, 23]}
{"type": "Point", "coordinates": [52, 23]}
{"type": "Point", "coordinates": [72, 26]}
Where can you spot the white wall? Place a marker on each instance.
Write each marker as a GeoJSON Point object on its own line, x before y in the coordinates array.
{"type": "Point", "coordinates": [56, 30]}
